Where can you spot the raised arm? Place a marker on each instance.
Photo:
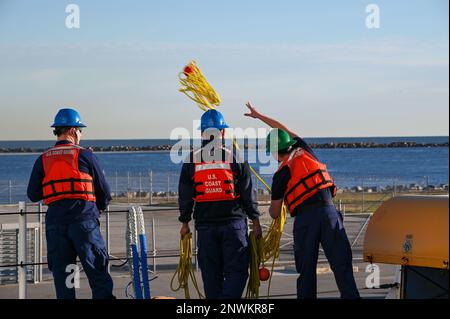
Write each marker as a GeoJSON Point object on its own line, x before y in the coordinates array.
{"type": "Point", "coordinates": [269, 121]}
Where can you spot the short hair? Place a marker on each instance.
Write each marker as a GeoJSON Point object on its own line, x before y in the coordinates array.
{"type": "Point", "coordinates": [286, 150]}
{"type": "Point", "coordinates": [58, 131]}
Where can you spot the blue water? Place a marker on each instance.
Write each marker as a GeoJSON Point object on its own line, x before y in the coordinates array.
{"type": "Point", "coordinates": [155, 142]}
{"type": "Point", "coordinates": [349, 167]}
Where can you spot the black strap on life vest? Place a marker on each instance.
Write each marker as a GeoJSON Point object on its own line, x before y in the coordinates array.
{"type": "Point", "coordinates": [308, 189]}
{"type": "Point", "coordinates": [72, 187]}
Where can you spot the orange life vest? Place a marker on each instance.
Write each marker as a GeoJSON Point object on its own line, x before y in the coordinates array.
{"type": "Point", "coordinates": [308, 175]}
{"type": "Point", "coordinates": [214, 181]}
{"type": "Point", "coordinates": [63, 179]}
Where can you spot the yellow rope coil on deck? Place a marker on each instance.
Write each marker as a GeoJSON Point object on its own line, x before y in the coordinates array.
{"type": "Point", "coordinates": [195, 86]}
{"type": "Point", "coordinates": [184, 269]}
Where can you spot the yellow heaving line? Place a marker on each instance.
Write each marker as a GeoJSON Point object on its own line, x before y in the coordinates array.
{"type": "Point", "coordinates": [184, 270]}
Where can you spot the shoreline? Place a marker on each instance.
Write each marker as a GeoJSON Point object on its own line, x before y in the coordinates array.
{"type": "Point", "coordinates": [102, 152]}
{"type": "Point", "coordinates": [168, 148]}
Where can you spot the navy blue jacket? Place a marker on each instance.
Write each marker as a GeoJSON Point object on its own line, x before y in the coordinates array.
{"type": "Point", "coordinates": [67, 211]}
{"type": "Point", "coordinates": [221, 212]}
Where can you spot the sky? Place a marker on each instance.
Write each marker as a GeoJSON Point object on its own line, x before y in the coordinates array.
{"type": "Point", "coordinates": [313, 65]}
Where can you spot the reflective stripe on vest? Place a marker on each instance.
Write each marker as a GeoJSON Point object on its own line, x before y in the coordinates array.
{"type": "Point", "coordinates": [63, 179]}
{"type": "Point", "coordinates": [211, 166]}
{"type": "Point", "coordinates": [214, 181]}
{"type": "Point", "coordinates": [308, 176]}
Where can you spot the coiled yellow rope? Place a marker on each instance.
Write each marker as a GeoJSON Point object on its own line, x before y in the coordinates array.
{"type": "Point", "coordinates": [261, 251]}
{"type": "Point", "coordinates": [271, 242]}
{"type": "Point", "coordinates": [184, 269]}
{"type": "Point", "coordinates": [195, 86]}
{"type": "Point", "coordinates": [256, 252]}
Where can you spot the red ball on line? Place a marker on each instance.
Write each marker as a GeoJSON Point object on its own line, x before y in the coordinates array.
{"type": "Point", "coordinates": [188, 70]}
{"type": "Point", "coordinates": [264, 274]}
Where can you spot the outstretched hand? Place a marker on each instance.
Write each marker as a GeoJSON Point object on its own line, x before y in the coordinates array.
{"type": "Point", "coordinates": [253, 112]}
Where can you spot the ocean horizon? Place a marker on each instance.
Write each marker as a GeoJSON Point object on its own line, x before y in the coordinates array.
{"type": "Point", "coordinates": [41, 144]}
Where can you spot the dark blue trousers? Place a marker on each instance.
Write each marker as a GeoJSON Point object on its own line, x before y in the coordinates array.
{"type": "Point", "coordinates": [223, 255]}
{"type": "Point", "coordinates": [82, 239]}
{"type": "Point", "coordinates": [322, 225]}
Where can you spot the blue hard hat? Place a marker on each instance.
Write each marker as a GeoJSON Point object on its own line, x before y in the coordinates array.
{"type": "Point", "coordinates": [68, 118]}
{"type": "Point", "coordinates": [212, 119]}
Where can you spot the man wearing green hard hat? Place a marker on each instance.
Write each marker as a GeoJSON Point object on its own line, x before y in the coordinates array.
{"type": "Point", "coordinates": [305, 186]}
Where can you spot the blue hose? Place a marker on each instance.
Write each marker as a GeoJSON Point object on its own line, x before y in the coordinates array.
{"type": "Point", "coordinates": [144, 265]}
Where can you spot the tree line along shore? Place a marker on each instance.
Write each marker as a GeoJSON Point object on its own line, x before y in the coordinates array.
{"type": "Point", "coordinates": [167, 147]}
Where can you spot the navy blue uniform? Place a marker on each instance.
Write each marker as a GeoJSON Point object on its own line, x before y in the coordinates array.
{"type": "Point", "coordinates": [317, 222]}
{"type": "Point", "coordinates": [222, 232]}
{"type": "Point", "coordinates": [72, 229]}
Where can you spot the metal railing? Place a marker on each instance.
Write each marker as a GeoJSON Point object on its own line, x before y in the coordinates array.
{"type": "Point", "coordinates": [24, 212]}
{"type": "Point", "coordinates": [356, 207]}
{"type": "Point", "coordinates": [112, 216]}
{"type": "Point", "coordinates": [152, 187]}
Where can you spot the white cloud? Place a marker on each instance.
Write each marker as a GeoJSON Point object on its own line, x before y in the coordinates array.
{"type": "Point", "coordinates": [389, 52]}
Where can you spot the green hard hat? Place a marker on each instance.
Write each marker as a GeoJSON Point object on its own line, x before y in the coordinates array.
{"type": "Point", "coordinates": [278, 140]}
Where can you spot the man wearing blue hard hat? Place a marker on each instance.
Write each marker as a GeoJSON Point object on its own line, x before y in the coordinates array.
{"type": "Point", "coordinates": [216, 188]}
{"type": "Point", "coordinates": [68, 179]}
